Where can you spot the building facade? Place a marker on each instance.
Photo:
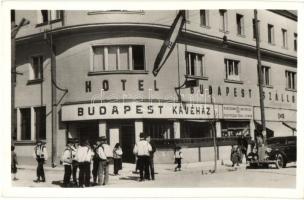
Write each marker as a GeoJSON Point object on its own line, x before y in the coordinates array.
{"type": "Point", "coordinates": [104, 83]}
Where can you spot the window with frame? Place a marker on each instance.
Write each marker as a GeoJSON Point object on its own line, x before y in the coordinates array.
{"type": "Point", "coordinates": [159, 129]}
{"type": "Point", "coordinates": [25, 123]}
{"type": "Point", "coordinates": [223, 20]}
{"type": "Point", "coordinates": [118, 58]}
{"type": "Point", "coordinates": [284, 38]}
{"type": "Point", "coordinates": [295, 42]}
{"type": "Point", "coordinates": [36, 68]}
{"type": "Point", "coordinates": [45, 16]}
{"type": "Point", "coordinates": [195, 64]}
{"type": "Point", "coordinates": [232, 68]}
{"type": "Point", "coordinates": [240, 24]}
{"type": "Point", "coordinates": [40, 122]}
{"type": "Point", "coordinates": [290, 80]}
{"type": "Point", "coordinates": [266, 75]}
{"type": "Point", "coordinates": [204, 17]}
{"type": "Point", "coordinates": [270, 34]}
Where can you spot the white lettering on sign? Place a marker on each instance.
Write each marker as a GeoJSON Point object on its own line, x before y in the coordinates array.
{"type": "Point", "coordinates": [134, 110]}
{"type": "Point", "coordinates": [237, 112]}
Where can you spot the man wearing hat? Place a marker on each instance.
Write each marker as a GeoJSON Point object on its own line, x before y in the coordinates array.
{"type": "Point", "coordinates": [40, 154]}
{"type": "Point", "coordinates": [142, 150]}
{"type": "Point", "coordinates": [75, 165]}
{"type": "Point", "coordinates": [105, 156]}
{"type": "Point", "coordinates": [66, 160]}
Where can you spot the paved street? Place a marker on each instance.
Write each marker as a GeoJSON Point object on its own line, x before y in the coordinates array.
{"type": "Point", "coordinates": [190, 176]}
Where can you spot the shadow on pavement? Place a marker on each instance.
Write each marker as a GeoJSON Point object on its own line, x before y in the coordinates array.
{"type": "Point", "coordinates": [132, 178]}
{"type": "Point", "coordinates": [59, 183]}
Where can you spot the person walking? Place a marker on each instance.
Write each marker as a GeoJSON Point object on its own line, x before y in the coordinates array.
{"type": "Point", "coordinates": [84, 156]}
{"type": "Point", "coordinates": [234, 157]}
{"type": "Point", "coordinates": [151, 157]}
{"type": "Point", "coordinates": [66, 160]}
{"type": "Point", "coordinates": [75, 165]}
{"type": "Point", "coordinates": [117, 156]}
{"type": "Point", "coordinates": [178, 156]}
{"type": "Point", "coordinates": [106, 156]}
{"type": "Point", "coordinates": [14, 163]}
{"type": "Point", "coordinates": [40, 154]}
{"type": "Point", "coordinates": [142, 150]}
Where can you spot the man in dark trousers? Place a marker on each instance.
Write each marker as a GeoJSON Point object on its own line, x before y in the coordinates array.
{"type": "Point", "coordinates": [151, 161]}
{"type": "Point", "coordinates": [142, 150]}
{"type": "Point", "coordinates": [40, 154]}
{"type": "Point", "coordinates": [75, 165]}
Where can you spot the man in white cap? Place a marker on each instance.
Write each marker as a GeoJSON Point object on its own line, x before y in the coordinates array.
{"type": "Point", "coordinates": [142, 150]}
{"type": "Point", "coordinates": [40, 154]}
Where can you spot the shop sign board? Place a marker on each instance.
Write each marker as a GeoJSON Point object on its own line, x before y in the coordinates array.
{"type": "Point", "coordinates": [276, 114]}
{"type": "Point", "coordinates": [237, 112]}
{"type": "Point", "coordinates": [137, 110]}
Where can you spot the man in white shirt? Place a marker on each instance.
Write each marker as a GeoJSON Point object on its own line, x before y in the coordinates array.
{"type": "Point", "coordinates": [105, 156]}
{"type": "Point", "coordinates": [142, 150]}
{"type": "Point", "coordinates": [40, 154]}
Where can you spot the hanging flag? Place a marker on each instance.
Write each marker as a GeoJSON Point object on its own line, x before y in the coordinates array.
{"type": "Point", "coordinates": [170, 42]}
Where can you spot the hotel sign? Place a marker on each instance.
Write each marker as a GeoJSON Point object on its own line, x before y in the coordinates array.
{"type": "Point", "coordinates": [237, 112]}
{"type": "Point", "coordinates": [134, 110]}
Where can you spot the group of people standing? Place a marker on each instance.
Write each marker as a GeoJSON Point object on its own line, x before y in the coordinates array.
{"type": "Point", "coordinates": [81, 156]}
{"type": "Point", "coordinates": [239, 151]}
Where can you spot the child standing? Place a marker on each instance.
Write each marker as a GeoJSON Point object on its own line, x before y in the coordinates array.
{"type": "Point", "coordinates": [178, 158]}
{"type": "Point", "coordinates": [14, 163]}
{"type": "Point", "coordinates": [117, 155]}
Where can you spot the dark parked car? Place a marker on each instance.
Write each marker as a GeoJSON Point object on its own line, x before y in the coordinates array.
{"type": "Point", "coordinates": [283, 149]}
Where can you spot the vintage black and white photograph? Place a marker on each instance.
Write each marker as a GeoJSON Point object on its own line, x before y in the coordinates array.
{"type": "Point", "coordinates": [175, 98]}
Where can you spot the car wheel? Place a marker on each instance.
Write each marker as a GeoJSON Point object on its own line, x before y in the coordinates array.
{"type": "Point", "coordinates": [280, 161]}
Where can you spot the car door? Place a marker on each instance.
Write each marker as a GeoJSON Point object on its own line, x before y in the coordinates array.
{"type": "Point", "coordinates": [291, 149]}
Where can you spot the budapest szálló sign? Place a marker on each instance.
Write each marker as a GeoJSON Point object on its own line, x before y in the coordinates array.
{"type": "Point", "coordinates": [133, 110]}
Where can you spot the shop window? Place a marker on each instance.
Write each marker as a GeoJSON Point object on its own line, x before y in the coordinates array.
{"type": "Point", "coordinates": [235, 128]}
{"type": "Point", "coordinates": [25, 123]}
{"type": "Point", "coordinates": [118, 58]}
{"type": "Point", "coordinates": [159, 129]}
{"type": "Point", "coordinates": [40, 122]}
{"type": "Point", "coordinates": [266, 75]}
{"type": "Point", "coordinates": [295, 42]}
{"type": "Point", "coordinates": [204, 17]}
{"type": "Point", "coordinates": [193, 129]}
{"type": "Point", "coordinates": [240, 24]}
{"type": "Point", "coordinates": [270, 34]}
{"type": "Point", "coordinates": [36, 68]}
{"type": "Point", "coordinates": [232, 68]}
{"type": "Point", "coordinates": [290, 80]}
{"type": "Point", "coordinates": [284, 38]}
{"type": "Point", "coordinates": [223, 20]}
{"type": "Point", "coordinates": [194, 64]}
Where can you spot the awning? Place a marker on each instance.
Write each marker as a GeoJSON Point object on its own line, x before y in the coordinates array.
{"type": "Point", "coordinates": [291, 125]}
{"type": "Point", "coordinates": [259, 128]}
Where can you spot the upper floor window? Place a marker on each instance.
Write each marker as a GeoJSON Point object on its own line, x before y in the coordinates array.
{"type": "Point", "coordinates": [270, 34]}
{"type": "Point", "coordinates": [204, 17]}
{"type": "Point", "coordinates": [223, 20]}
{"type": "Point", "coordinates": [36, 68]}
{"type": "Point", "coordinates": [232, 68]}
{"type": "Point", "coordinates": [290, 80]}
{"type": "Point", "coordinates": [266, 75]}
{"type": "Point", "coordinates": [195, 64]}
{"type": "Point", "coordinates": [284, 37]}
{"type": "Point", "coordinates": [122, 57]}
{"type": "Point", "coordinates": [45, 16]}
{"type": "Point", "coordinates": [295, 42]}
{"type": "Point", "coordinates": [240, 24]}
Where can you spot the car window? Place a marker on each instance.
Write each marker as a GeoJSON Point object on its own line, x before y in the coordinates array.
{"type": "Point", "coordinates": [292, 141]}
{"type": "Point", "coordinates": [276, 141]}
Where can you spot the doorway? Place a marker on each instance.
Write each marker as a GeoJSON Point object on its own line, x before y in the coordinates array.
{"type": "Point", "coordinates": [88, 131]}
{"type": "Point", "coordinates": [127, 143]}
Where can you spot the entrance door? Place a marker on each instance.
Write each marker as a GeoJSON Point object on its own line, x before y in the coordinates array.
{"type": "Point", "coordinates": [127, 143]}
{"type": "Point", "coordinates": [88, 131]}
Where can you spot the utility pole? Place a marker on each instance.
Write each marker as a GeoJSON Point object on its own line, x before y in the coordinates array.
{"type": "Point", "coordinates": [214, 134]}
{"type": "Point", "coordinates": [260, 75]}
{"type": "Point", "coordinates": [14, 31]}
